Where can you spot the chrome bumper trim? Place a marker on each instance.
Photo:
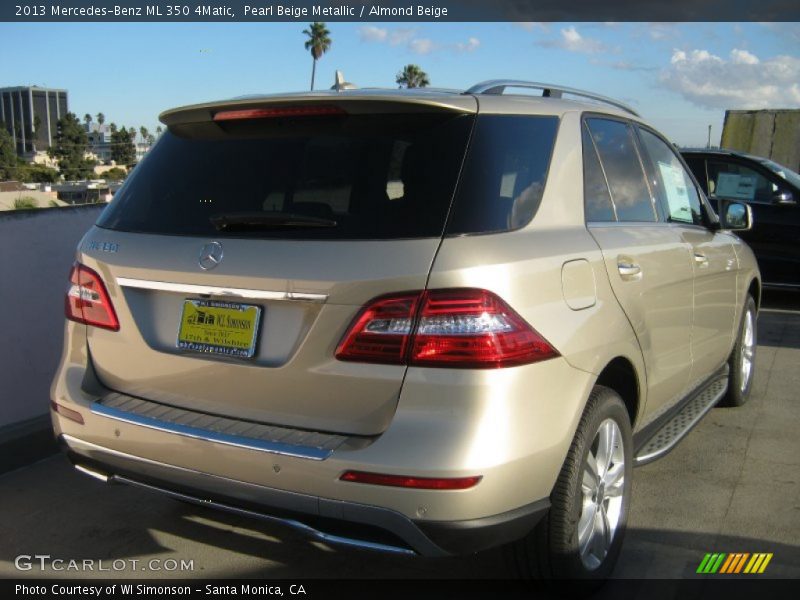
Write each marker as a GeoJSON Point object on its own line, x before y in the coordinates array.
{"type": "Point", "coordinates": [271, 446]}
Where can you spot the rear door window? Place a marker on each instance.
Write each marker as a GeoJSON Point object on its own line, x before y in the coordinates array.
{"type": "Point", "coordinates": [376, 176]}
{"type": "Point", "coordinates": [670, 182]}
{"type": "Point", "coordinates": [620, 160]}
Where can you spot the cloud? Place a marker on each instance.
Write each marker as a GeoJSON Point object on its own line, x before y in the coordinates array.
{"type": "Point", "coordinates": [741, 81]}
{"type": "Point", "coordinates": [572, 41]}
{"type": "Point", "coordinates": [533, 26]}
{"type": "Point", "coordinates": [408, 37]}
{"type": "Point", "coordinates": [380, 35]}
{"type": "Point", "coordinates": [422, 46]}
{"type": "Point", "coordinates": [662, 31]}
{"type": "Point", "coordinates": [371, 33]}
{"type": "Point", "coordinates": [401, 36]}
{"type": "Point", "coordinates": [623, 65]}
{"type": "Point", "coordinates": [470, 45]}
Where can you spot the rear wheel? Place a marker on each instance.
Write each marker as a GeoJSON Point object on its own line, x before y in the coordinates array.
{"type": "Point", "coordinates": [582, 535]}
{"type": "Point", "coordinates": [742, 361]}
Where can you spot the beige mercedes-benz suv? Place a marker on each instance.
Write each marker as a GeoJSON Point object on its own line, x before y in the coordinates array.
{"type": "Point", "coordinates": [417, 321]}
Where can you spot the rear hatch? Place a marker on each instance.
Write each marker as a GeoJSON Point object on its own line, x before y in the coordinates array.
{"type": "Point", "coordinates": [242, 247]}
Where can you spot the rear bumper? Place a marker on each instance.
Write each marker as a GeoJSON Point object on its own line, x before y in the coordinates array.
{"type": "Point", "coordinates": [332, 521]}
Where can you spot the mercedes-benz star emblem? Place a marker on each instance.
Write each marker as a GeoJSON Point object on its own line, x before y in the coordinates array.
{"type": "Point", "coordinates": [210, 256]}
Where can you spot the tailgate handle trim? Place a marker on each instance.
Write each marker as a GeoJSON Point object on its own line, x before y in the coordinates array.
{"type": "Point", "coordinates": [210, 290]}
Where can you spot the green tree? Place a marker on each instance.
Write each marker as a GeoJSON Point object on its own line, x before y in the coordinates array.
{"type": "Point", "coordinates": [37, 174]}
{"type": "Point", "coordinates": [123, 150]}
{"type": "Point", "coordinates": [318, 43]}
{"type": "Point", "coordinates": [8, 155]}
{"type": "Point", "coordinates": [87, 118]}
{"type": "Point", "coordinates": [69, 148]}
{"type": "Point", "coordinates": [101, 118]}
{"type": "Point", "coordinates": [159, 130]}
{"type": "Point", "coordinates": [412, 76]}
{"type": "Point", "coordinates": [115, 174]}
{"type": "Point", "coordinates": [112, 128]}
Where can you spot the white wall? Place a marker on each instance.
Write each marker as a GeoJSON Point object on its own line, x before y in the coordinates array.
{"type": "Point", "coordinates": [37, 248]}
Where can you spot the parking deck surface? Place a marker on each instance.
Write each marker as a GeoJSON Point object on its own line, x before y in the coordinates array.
{"type": "Point", "coordinates": [733, 485]}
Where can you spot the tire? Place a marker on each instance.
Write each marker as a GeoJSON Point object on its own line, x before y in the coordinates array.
{"type": "Point", "coordinates": [742, 360]}
{"type": "Point", "coordinates": [553, 550]}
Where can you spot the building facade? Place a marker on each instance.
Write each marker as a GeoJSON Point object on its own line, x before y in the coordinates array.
{"type": "Point", "coordinates": [30, 115]}
{"type": "Point", "coordinates": [99, 138]}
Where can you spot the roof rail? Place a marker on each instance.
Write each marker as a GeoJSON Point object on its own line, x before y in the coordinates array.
{"type": "Point", "coordinates": [498, 86]}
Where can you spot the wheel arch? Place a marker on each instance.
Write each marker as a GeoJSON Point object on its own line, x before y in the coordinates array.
{"type": "Point", "coordinates": [620, 375]}
{"type": "Point", "coordinates": [754, 289]}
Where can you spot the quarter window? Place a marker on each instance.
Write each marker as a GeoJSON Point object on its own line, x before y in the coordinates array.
{"type": "Point", "coordinates": [615, 144]}
{"type": "Point", "coordinates": [504, 173]}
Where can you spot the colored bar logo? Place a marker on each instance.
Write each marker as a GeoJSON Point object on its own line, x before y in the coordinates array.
{"type": "Point", "coordinates": [734, 563]}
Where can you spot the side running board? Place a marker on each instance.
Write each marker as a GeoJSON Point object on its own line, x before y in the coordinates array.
{"type": "Point", "coordinates": [681, 423]}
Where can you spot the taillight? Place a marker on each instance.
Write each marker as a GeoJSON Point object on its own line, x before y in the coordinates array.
{"type": "Point", "coordinates": [87, 299]}
{"type": "Point", "coordinates": [381, 331]}
{"type": "Point", "coordinates": [321, 110]}
{"type": "Point", "coordinates": [457, 328]}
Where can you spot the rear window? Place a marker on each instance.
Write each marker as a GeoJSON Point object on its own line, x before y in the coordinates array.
{"type": "Point", "coordinates": [377, 176]}
{"type": "Point", "coordinates": [504, 174]}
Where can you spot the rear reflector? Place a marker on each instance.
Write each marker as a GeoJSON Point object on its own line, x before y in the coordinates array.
{"type": "Point", "coordinates": [278, 112]}
{"type": "Point", "coordinates": [72, 415]}
{"type": "Point", "coordinates": [87, 299]}
{"type": "Point", "coordinates": [457, 328]}
{"type": "Point", "coordinates": [420, 483]}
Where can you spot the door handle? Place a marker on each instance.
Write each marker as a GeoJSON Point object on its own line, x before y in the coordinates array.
{"type": "Point", "coordinates": [700, 259]}
{"type": "Point", "coordinates": [628, 269]}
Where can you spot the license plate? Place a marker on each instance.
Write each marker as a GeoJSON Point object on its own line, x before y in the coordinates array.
{"type": "Point", "coordinates": [215, 327]}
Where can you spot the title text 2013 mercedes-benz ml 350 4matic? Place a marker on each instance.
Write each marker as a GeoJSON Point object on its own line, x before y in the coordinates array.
{"type": "Point", "coordinates": [420, 321]}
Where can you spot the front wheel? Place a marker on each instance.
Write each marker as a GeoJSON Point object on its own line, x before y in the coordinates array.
{"type": "Point", "coordinates": [582, 535]}
{"type": "Point", "coordinates": [742, 361]}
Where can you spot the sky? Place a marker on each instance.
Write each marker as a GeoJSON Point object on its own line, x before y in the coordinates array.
{"type": "Point", "coordinates": [680, 76]}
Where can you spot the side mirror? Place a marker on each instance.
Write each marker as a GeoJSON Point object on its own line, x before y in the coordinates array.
{"type": "Point", "coordinates": [735, 216]}
{"type": "Point", "coordinates": [784, 197]}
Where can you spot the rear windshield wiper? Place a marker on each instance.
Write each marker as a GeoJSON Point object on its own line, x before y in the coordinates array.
{"type": "Point", "coordinates": [259, 221]}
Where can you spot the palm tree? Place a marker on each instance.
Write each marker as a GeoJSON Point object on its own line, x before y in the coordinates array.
{"type": "Point", "coordinates": [101, 118]}
{"type": "Point", "coordinates": [87, 118]}
{"type": "Point", "coordinates": [159, 130]}
{"type": "Point", "coordinates": [412, 76]}
{"type": "Point", "coordinates": [318, 43]}
{"type": "Point", "coordinates": [112, 128]}
{"type": "Point", "coordinates": [143, 131]}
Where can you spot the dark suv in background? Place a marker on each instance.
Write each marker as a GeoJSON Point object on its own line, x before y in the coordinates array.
{"type": "Point", "coordinates": [773, 193]}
